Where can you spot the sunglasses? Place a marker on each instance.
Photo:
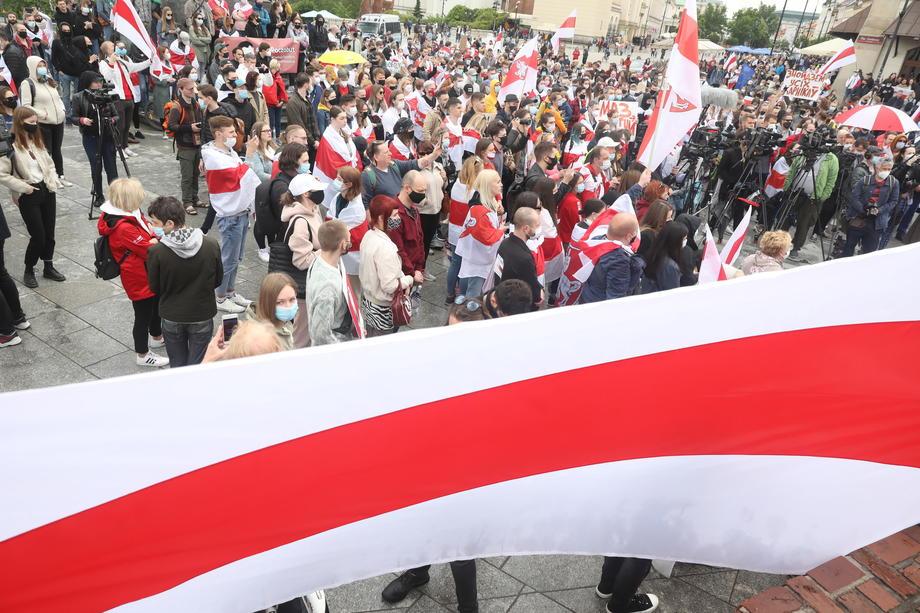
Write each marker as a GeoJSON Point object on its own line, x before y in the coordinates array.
{"type": "Point", "coordinates": [472, 304]}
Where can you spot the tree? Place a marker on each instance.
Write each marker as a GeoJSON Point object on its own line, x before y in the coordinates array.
{"type": "Point", "coordinates": [768, 12]}
{"type": "Point", "coordinates": [417, 11]}
{"type": "Point", "coordinates": [712, 22]}
{"type": "Point", "coordinates": [460, 15]}
{"type": "Point", "coordinates": [749, 27]}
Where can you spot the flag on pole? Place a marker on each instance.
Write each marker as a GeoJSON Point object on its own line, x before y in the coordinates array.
{"type": "Point", "coordinates": [679, 102]}
{"type": "Point", "coordinates": [566, 30]}
{"type": "Point", "coordinates": [126, 22]}
{"type": "Point", "coordinates": [711, 268]}
{"type": "Point", "coordinates": [522, 74]}
{"type": "Point", "coordinates": [732, 248]}
{"type": "Point", "coordinates": [842, 58]}
{"type": "Point", "coordinates": [7, 76]}
{"type": "Point", "coordinates": [731, 61]}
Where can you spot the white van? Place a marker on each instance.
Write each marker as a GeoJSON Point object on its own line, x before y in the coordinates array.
{"type": "Point", "coordinates": [380, 25]}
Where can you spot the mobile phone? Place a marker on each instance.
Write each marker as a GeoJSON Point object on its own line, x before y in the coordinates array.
{"type": "Point", "coordinates": [230, 322]}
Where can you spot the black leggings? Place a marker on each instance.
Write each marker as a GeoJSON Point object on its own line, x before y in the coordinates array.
{"type": "Point", "coordinates": [53, 135]}
{"type": "Point", "coordinates": [10, 307]}
{"type": "Point", "coordinates": [430, 223]}
{"type": "Point", "coordinates": [622, 577]}
{"type": "Point", "coordinates": [146, 320]}
{"type": "Point", "coordinates": [39, 212]}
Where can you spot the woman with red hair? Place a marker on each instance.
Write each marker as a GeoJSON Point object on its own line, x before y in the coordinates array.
{"type": "Point", "coordinates": [380, 268]}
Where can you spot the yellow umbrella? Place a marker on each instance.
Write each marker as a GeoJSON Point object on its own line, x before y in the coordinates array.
{"type": "Point", "coordinates": [341, 57]}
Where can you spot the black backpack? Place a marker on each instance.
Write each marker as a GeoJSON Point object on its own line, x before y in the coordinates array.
{"type": "Point", "coordinates": [263, 200]}
{"type": "Point", "coordinates": [107, 267]}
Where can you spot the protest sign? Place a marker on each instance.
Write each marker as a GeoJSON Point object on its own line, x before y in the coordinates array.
{"type": "Point", "coordinates": [625, 115]}
{"type": "Point", "coordinates": [285, 50]}
{"type": "Point", "coordinates": [803, 84]}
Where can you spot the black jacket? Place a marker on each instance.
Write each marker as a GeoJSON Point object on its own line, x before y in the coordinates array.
{"type": "Point", "coordinates": [82, 106]}
{"type": "Point", "coordinates": [319, 38]}
{"type": "Point", "coordinates": [223, 109]}
{"type": "Point", "coordinates": [244, 110]}
{"type": "Point", "coordinates": [15, 60]}
{"type": "Point", "coordinates": [181, 120]}
{"type": "Point", "coordinates": [69, 57]}
{"type": "Point", "coordinates": [518, 263]}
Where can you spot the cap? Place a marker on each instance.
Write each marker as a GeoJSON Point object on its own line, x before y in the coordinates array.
{"type": "Point", "coordinates": [403, 125]}
{"type": "Point", "coordinates": [304, 183]}
{"type": "Point", "coordinates": [607, 142]}
{"type": "Point", "coordinates": [511, 98]}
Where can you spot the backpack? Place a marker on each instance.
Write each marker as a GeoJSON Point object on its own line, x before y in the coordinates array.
{"type": "Point", "coordinates": [107, 267]}
{"type": "Point", "coordinates": [263, 200]}
{"type": "Point", "coordinates": [167, 109]}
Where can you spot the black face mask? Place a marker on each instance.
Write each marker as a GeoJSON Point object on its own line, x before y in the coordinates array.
{"type": "Point", "coordinates": [316, 197]}
{"type": "Point", "coordinates": [10, 103]}
{"type": "Point", "coordinates": [550, 163]}
{"type": "Point", "coordinates": [416, 197]}
{"type": "Point", "coordinates": [30, 128]}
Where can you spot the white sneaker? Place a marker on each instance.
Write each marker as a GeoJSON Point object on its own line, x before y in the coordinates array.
{"type": "Point", "coordinates": [65, 182]}
{"type": "Point", "coordinates": [429, 277]}
{"type": "Point", "coordinates": [264, 255]}
{"type": "Point", "coordinates": [239, 300]}
{"type": "Point", "coordinates": [165, 136]}
{"type": "Point", "coordinates": [22, 324]}
{"type": "Point", "coordinates": [129, 153]}
{"type": "Point", "coordinates": [228, 306]}
{"type": "Point", "coordinates": [154, 343]}
{"type": "Point", "coordinates": [152, 359]}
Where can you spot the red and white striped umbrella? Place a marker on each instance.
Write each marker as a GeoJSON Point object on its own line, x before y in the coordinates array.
{"type": "Point", "coordinates": [877, 117]}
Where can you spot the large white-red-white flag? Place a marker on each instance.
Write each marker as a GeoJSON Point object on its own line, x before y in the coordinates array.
{"type": "Point", "coordinates": [522, 74]}
{"type": "Point", "coordinates": [153, 502]}
{"type": "Point", "coordinates": [842, 58]}
{"type": "Point", "coordinates": [7, 76]}
{"type": "Point", "coordinates": [711, 268]}
{"type": "Point", "coordinates": [679, 102]}
{"type": "Point", "coordinates": [126, 22]}
{"type": "Point", "coordinates": [565, 31]}
{"type": "Point", "coordinates": [732, 249]}
{"type": "Point", "coordinates": [333, 152]}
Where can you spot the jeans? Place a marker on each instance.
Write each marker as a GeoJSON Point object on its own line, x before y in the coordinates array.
{"type": "Point", "coordinates": [621, 577]}
{"type": "Point", "coordinates": [908, 216]}
{"type": "Point", "coordinates": [430, 223]}
{"type": "Point", "coordinates": [146, 319]}
{"type": "Point", "coordinates": [232, 240]}
{"type": "Point", "coordinates": [894, 221]}
{"type": "Point", "coordinates": [53, 135]}
{"type": "Point", "coordinates": [188, 168]}
{"type": "Point", "coordinates": [452, 275]}
{"type": "Point", "coordinates": [69, 87]}
{"type": "Point", "coordinates": [867, 235]}
{"type": "Point", "coordinates": [464, 572]}
{"type": "Point", "coordinates": [90, 143]}
{"type": "Point", "coordinates": [472, 286]}
{"type": "Point", "coordinates": [39, 212]}
{"type": "Point", "coordinates": [10, 307]}
{"type": "Point", "coordinates": [186, 343]}
{"type": "Point", "coordinates": [274, 119]}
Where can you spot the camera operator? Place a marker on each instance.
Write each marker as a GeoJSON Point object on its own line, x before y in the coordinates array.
{"type": "Point", "coordinates": [93, 110]}
{"type": "Point", "coordinates": [854, 168]}
{"type": "Point", "coordinates": [729, 171]}
{"type": "Point", "coordinates": [907, 172]}
{"type": "Point", "coordinates": [811, 178]}
{"type": "Point", "coordinates": [117, 70]}
{"type": "Point", "coordinates": [870, 209]}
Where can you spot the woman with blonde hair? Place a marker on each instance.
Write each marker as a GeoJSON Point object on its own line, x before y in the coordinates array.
{"type": "Point", "coordinates": [482, 233]}
{"type": "Point", "coordinates": [262, 159]}
{"type": "Point", "coordinates": [277, 305]}
{"type": "Point", "coordinates": [32, 184]}
{"type": "Point", "coordinates": [460, 195]}
{"type": "Point", "coordinates": [130, 235]}
{"type": "Point", "coordinates": [773, 248]}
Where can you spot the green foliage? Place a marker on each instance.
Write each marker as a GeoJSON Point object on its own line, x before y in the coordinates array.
{"type": "Point", "coordinates": [17, 6]}
{"type": "Point", "coordinates": [479, 19]}
{"type": "Point", "coordinates": [750, 27]}
{"type": "Point", "coordinates": [417, 11]}
{"type": "Point", "coordinates": [712, 22]}
{"type": "Point", "coordinates": [461, 15]}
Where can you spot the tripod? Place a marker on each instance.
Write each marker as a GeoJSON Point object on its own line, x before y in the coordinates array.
{"type": "Point", "coordinates": [107, 123]}
{"type": "Point", "coordinates": [805, 173]}
{"type": "Point", "coordinates": [720, 221]}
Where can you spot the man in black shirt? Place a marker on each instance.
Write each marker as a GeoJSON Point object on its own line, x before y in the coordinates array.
{"type": "Point", "coordinates": [515, 260]}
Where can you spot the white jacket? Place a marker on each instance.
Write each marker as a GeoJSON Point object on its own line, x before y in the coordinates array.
{"type": "Point", "coordinates": [380, 269]}
{"type": "Point", "coordinates": [47, 102]}
{"type": "Point", "coordinates": [118, 74]}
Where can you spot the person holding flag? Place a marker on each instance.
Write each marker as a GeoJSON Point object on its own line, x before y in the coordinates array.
{"type": "Point", "coordinates": [619, 271]}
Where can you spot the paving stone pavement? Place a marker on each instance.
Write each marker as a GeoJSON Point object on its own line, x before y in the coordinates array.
{"type": "Point", "coordinates": [81, 331]}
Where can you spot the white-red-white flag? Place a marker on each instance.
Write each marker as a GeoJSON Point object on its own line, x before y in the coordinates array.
{"type": "Point", "coordinates": [732, 248]}
{"type": "Point", "coordinates": [680, 101]}
{"type": "Point", "coordinates": [522, 74]}
{"type": "Point", "coordinates": [566, 31]}
{"type": "Point", "coordinates": [126, 22]}
{"type": "Point", "coordinates": [842, 58]}
{"type": "Point", "coordinates": [7, 76]}
{"type": "Point", "coordinates": [711, 268]}
{"type": "Point", "coordinates": [731, 61]}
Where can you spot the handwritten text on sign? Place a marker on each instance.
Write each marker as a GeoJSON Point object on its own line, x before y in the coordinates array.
{"type": "Point", "coordinates": [803, 84]}
{"type": "Point", "coordinates": [624, 114]}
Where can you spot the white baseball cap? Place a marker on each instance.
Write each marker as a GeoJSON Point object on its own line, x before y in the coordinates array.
{"type": "Point", "coordinates": [607, 142]}
{"type": "Point", "coordinates": [304, 183]}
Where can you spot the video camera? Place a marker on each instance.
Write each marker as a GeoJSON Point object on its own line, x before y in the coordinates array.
{"type": "Point", "coordinates": [103, 97]}
{"type": "Point", "coordinates": [818, 142]}
{"type": "Point", "coordinates": [761, 141]}
{"type": "Point", "coordinates": [705, 142]}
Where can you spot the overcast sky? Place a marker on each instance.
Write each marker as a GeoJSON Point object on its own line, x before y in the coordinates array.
{"type": "Point", "coordinates": [792, 5]}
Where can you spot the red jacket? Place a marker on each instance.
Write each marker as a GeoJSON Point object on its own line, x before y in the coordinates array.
{"type": "Point", "coordinates": [126, 233]}
{"type": "Point", "coordinates": [276, 92]}
{"type": "Point", "coordinates": [409, 241]}
{"type": "Point", "coordinates": [569, 215]}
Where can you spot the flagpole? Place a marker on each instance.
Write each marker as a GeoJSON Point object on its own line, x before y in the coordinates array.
{"type": "Point", "coordinates": [779, 24]}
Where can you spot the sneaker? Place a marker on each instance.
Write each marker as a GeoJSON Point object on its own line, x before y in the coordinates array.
{"type": "Point", "coordinates": [798, 258]}
{"type": "Point", "coordinates": [400, 587]}
{"type": "Point", "coordinates": [429, 277]}
{"type": "Point", "coordinates": [152, 359]}
{"type": "Point", "coordinates": [640, 603]}
{"type": "Point", "coordinates": [228, 306]}
{"type": "Point", "coordinates": [129, 153]}
{"type": "Point", "coordinates": [8, 340]}
{"type": "Point", "coordinates": [28, 278]}
{"type": "Point", "coordinates": [156, 344]}
{"type": "Point", "coordinates": [165, 136]}
{"type": "Point", "coordinates": [239, 300]}
{"type": "Point", "coordinates": [139, 134]}
{"type": "Point", "coordinates": [264, 255]}
{"type": "Point", "coordinates": [65, 182]}
{"type": "Point", "coordinates": [600, 594]}
{"type": "Point", "coordinates": [437, 243]}
{"type": "Point", "coordinates": [22, 323]}
{"type": "Point", "coordinates": [132, 140]}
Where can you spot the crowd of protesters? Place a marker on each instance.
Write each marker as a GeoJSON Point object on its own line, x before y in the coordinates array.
{"type": "Point", "coordinates": [351, 178]}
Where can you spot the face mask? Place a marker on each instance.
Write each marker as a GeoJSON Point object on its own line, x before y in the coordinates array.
{"type": "Point", "coordinates": [30, 128]}
{"type": "Point", "coordinates": [242, 96]}
{"type": "Point", "coordinates": [394, 223]}
{"type": "Point", "coordinates": [10, 103]}
{"type": "Point", "coordinates": [199, 20]}
{"type": "Point", "coordinates": [352, 111]}
{"type": "Point", "coordinates": [876, 160]}
{"type": "Point", "coordinates": [121, 51]}
{"type": "Point", "coordinates": [606, 165]}
{"type": "Point", "coordinates": [65, 33]}
{"type": "Point", "coordinates": [684, 244]}
{"type": "Point", "coordinates": [231, 142]}
{"type": "Point", "coordinates": [337, 185]}
{"type": "Point", "coordinates": [491, 155]}
{"type": "Point", "coordinates": [239, 82]}
{"type": "Point", "coordinates": [580, 188]}
{"type": "Point", "coordinates": [317, 196]}
{"type": "Point", "coordinates": [30, 23]}
{"type": "Point", "coordinates": [193, 76]}
{"type": "Point", "coordinates": [303, 169]}
{"type": "Point", "coordinates": [551, 163]}
{"type": "Point", "coordinates": [286, 313]}
{"type": "Point", "coordinates": [407, 89]}
{"type": "Point", "coordinates": [532, 109]}
{"type": "Point", "coordinates": [85, 10]}
{"type": "Point", "coordinates": [158, 232]}
{"type": "Point", "coordinates": [416, 197]}
{"type": "Point", "coordinates": [900, 145]}
{"type": "Point", "coordinates": [883, 174]}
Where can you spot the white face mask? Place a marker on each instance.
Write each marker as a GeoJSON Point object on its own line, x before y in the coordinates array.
{"type": "Point", "coordinates": [407, 89]}
{"type": "Point", "coordinates": [231, 142]}
{"type": "Point", "coordinates": [337, 185]}
{"type": "Point", "coordinates": [352, 111]}
{"type": "Point", "coordinates": [400, 105]}
{"type": "Point", "coordinates": [883, 174]}
{"type": "Point", "coordinates": [606, 165]}
{"type": "Point", "coordinates": [684, 244]}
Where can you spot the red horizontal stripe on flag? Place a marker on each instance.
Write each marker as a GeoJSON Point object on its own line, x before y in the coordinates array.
{"type": "Point", "coordinates": [225, 180]}
{"type": "Point", "coordinates": [824, 404]}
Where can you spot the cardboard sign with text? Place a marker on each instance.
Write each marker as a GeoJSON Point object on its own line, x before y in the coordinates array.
{"type": "Point", "coordinates": [285, 50]}
{"type": "Point", "coordinates": [626, 113]}
{"type": "Point", "coordinates": [804, 84]}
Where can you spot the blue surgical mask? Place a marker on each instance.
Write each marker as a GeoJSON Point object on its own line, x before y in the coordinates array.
{"type": "Point", "coordinates": [876, 160]}
{"type": "Point", "coordinates": [304, 169]}
{"type": "Point", "coordinates": [286, 314]}
{"type": "Point", "coordinates": [242, 95]}
{"type": "Point", "coordinates": [121, 51]}
{"type": "Point", "coordinates": [158, 232]}
{"type": "Point", "coordinates": [337, 185]}
{"type": "Point", "coordinates": [202, 104]}
{"type": "Point", "coordinates": [580, 187]}
{"type": "Point", "coordinates": [42, 72]}
{"type": "Point", "coordinates": [239, 82]}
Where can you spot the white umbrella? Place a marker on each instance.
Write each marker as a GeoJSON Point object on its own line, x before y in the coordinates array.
{"type": "Point", "coordinates": [326, 15]}
{"type": "Point", "coordinates": [877, 117]}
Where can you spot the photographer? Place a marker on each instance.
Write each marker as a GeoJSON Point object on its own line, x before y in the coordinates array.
{"type": "Point", "coordinates": [908, 175]}
{"type": "Point", "coordinates": [94, 110]}
{"type": "Point", "coordinates": [810, 180]}
{"type": "Point", "coordinates": [873, 201]}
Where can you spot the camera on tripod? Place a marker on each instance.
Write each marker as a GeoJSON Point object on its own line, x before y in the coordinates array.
{"type": "Point", "coordinates": [813, 144]}
{"type": "Point", "coordinates": [705, 142]}
{"type": "Point", "coordinates": [761, 141]}
{"type": "Point", "coordinates": [104, 99]}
